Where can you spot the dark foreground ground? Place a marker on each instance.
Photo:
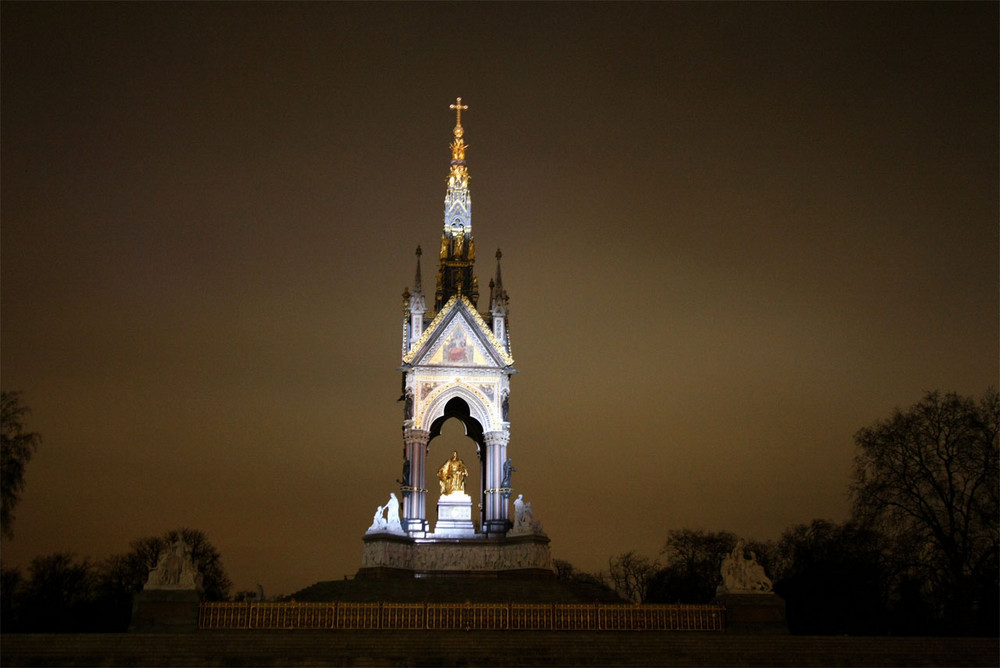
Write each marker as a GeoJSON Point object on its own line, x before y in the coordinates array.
{"type": "Point", "coordinates": [486, 648]}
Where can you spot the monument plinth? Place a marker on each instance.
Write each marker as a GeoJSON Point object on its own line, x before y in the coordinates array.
{"type": "Point", "coordinates": [392, 556]}
{"type": "Point", "coordinates": [170, 598]}
{"type": "Point", "coordinates": [746, 592]}
{"type": "Point", "coordinates": [456, 367]}
{"type": "Point", "coordinates": [454, 517]}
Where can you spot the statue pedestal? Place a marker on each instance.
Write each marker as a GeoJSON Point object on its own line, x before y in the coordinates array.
{"type": "Point", "coordinates": [165, 611]}
{"type": "Point", "coordinates": [753, 613]}
{"type": "Point", "coordinates": [454, 517]}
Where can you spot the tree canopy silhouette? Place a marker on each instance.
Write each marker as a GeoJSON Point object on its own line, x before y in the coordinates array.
{"type": "Point", "coordinates": [18, 446]}
{"type": "Point", "coordinates": [833, 578]}
{"type": "Point", "coordinates": [631, 574]}
{"type": "Point", "coordinates": [691, 572]}
{"type": "Point", "coordinates": [927, 478]}
{"type": "Point", "coordinates": [62, 593]}
{"type": "Point", "coordinates": [129, 571]}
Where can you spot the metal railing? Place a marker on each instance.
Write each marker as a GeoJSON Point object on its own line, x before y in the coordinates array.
{"type": "Point", "coordinates": [461, 616]}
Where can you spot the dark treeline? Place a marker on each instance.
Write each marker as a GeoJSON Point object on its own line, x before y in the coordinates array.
{"type": "Point", "coordinates": [836, 579]}
{"type": "Point", "coordinates": [919, 555]}
{"type": "Point", "coordinates": [62, 594]}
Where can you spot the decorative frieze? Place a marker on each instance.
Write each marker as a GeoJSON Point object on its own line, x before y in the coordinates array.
{"type": "Point", "coordinates": [483, 555]}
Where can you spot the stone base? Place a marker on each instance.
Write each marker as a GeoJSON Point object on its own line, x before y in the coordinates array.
{"type": "Point", "coordinates": [754, 613]}
{"type": "Point", "coordinates": [430, 557]}
{"type": "Point", "coordinates": [415, 527]}
{"type": "Point", "coordinates": [454, 517]}
{"type": "Point", "coordinates": [165, 611]}
{"type": "Point", "coordinates": [497, 528]}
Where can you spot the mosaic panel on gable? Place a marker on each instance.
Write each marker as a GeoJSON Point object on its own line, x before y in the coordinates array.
{"type": "Point", "coordinates": [457, 346]}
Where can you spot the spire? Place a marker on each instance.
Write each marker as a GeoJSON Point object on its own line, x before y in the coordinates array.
{"type": "Point", "coordinates": [458, 249]}
{"type": "Point", "coordinates": [498, 296]}
{"type": "Point", "coordinates": [416, 279]}
{"type": "Point", "coordinates": [499, 280]}
{"type": "Point", "coordinates": [417, 304]}
{"type": "Point", "coordinates": [498, 306]}
{"type": "Point", "coordinates": [414, 327]}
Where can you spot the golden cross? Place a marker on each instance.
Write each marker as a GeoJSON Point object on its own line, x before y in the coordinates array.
{"type": "Point", "coordinates": [458, 107]}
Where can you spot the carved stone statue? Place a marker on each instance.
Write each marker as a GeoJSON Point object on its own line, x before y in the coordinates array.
{"type": "Point", "coordinates": [392, 515]}
{"type": "Point", "coordinates": [386, 518]}
{"type": "Point", "coordinates": [508, 473]}
{"type": "Point", "coordinates": [524, 518]}
{"type": "Point", "coordinates": [169, 599]}
{"type": "Point", "coordinates": [378, 521]}
{"type": "Point", "coordinates": [452, 475]}
{"type": "Point", "coordinates": [743, 575]}
{"type": "Point", "coordinates": [174, 569]}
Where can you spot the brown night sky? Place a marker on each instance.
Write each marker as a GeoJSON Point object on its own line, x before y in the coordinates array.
{"type": "Point", "coordinates": [733, 234]}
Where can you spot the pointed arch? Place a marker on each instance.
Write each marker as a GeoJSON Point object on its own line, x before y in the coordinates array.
{"type": "Point", "coordinates": [475, 408]}
{"type": "Point", "coordinates": [457, 408]}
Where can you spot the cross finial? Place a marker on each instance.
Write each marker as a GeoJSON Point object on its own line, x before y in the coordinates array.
{"type": "Point", "coordinates": [458, 107]}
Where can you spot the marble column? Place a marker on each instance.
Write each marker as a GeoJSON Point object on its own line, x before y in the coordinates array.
{"type": "Point", "coordinates": [496, 502]}
{"type": "Point", "coordinates": [414, 517]}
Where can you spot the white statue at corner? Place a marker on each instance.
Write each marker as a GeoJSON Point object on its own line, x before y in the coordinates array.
{"type": "Point", "coordinates": [378, 522]}
{"type": "Point", "coordinates": [386, 518]}
{"type": "Point", "coordinates": [524, 519]}
{"type": "Point", "coordinates": [742, 575]}
{"type": "Point", "coordinates": [174, 569]}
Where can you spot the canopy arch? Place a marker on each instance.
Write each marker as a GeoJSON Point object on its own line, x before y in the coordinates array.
{"type": "Point", "coordinates": [457, 408]}
{"type": "Point", "coordinates": [472, 406]}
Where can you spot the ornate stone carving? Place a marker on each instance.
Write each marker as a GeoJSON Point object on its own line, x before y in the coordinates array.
{"type": "Point", "coordinates": [174, 569]}
{"type": "Point", "coordinates": [386, 519]}
{"type": "Point", "coordinates": [524, 519]}
{"type": "Point", "coordinates": [485, 556]}
{"type": "Point", "coordinates": [378, 522]}
{"type": "Point", "coordinates": [392, 515]}
{"type": "Point", "coordinates": [743, 575]}
{"type": "Point", "coordinates": [454, 517]}
{"type": "Point", "coordinates": [416, 436]}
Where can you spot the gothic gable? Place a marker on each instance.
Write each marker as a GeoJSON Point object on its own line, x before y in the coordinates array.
{"type": "Point", "coordinates": [458, 337]}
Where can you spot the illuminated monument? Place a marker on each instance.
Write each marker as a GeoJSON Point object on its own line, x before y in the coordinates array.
{"type": "Point", "coordinates": [459, 366]}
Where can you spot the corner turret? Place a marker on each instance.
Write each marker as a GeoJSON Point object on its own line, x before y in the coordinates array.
{"type": "Point", "coordinates": [499, 306]}
{"type": "Point", "coordinates": [417, 305]}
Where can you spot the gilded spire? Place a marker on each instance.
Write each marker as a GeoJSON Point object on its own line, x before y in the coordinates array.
{"type": "Point", "coordinates": [458, 107]}
{"type": "Point", "coordinates": [457, 201]}
{"type": "Point", "coordinates": [458, 145]}
{"type": "Point", "coordinates": [458, 248]}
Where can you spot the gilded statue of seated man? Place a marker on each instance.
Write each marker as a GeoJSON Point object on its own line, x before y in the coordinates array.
{"type": "Point", "coordinates": [452, 475]}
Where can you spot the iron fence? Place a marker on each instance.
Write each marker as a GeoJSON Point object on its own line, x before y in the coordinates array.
{"type": "Point", "coordinates": [461, 616]}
